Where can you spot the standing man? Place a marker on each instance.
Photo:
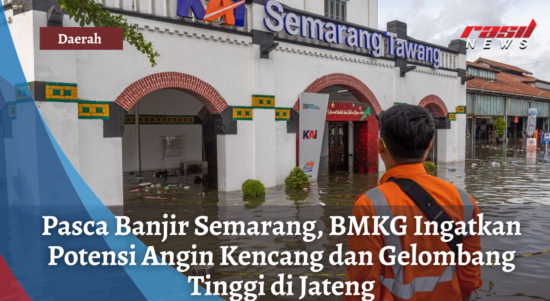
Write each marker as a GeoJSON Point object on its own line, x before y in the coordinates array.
{"type": "Point", "coordinates": [406, 135]}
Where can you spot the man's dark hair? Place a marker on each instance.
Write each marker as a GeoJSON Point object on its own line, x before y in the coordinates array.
{"type": "Point", "coordinates": [407, 131]}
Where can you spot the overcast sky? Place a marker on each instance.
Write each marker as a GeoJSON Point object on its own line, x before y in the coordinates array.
{"type": "Point", "coordinates": [440, 21]}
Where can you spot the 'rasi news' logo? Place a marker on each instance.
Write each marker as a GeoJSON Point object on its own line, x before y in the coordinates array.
{"type": "Point", "coordinates": [232, 11]}
{"type": "Point", "coordinates": [506, 34]}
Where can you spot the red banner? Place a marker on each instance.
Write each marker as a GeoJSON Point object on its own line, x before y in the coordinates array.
{"type": "Point", "coordinates": [80, 38]}
{"type": "Point", "coordinates": [348, 111]}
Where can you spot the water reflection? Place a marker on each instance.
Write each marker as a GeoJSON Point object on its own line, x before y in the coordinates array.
{"type": "Point", "coordinates": [515, 189]}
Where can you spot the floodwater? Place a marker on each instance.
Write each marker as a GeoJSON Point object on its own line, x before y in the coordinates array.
{"type": "Point", "coordinates": [515, 189]}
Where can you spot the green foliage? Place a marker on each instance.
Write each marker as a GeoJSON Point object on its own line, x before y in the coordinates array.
{"type": "Point", "coordinates": [253, 188]}
{"type": "Point", "coordinates": [499, 126]}
{"type": "Point", "coordinates": [430, 167]}
{"type": "Point", "coordinates": [297, 179]}
{"type": "Point", "coordinates": [86, 12]}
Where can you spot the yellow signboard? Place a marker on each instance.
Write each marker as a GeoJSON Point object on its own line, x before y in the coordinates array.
{"type": "Point", "coordinates": [452, 116]}
{"type": "Point", "coordinates": [461, 110]}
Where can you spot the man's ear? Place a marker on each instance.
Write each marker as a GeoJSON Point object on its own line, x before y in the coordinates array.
{"type": "Point", "coordinates": [381, 147]}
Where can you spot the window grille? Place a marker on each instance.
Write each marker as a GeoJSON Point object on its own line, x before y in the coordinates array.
{"type": "Point", "coordinates": [172, 147]}
{"type": "Point", "coordinates": [336, 9]}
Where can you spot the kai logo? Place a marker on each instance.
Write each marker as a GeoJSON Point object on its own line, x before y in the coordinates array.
{"type": "Point", "coordinates": [231, 11]}
{"type": "Point", "coordinates": [309, 134]}
{"type": "Point", "coordinates": [307, 106]}
{"type": "Point", "coordinates": [308, 167]}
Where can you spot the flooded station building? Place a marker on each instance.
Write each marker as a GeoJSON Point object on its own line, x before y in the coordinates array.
{"type": "Point", "coordinates": [500, 90]}
{"type": "Point", "coordinates": [224, 97]}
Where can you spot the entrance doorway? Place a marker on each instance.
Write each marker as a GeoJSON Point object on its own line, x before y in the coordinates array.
{"type": "Point", "coordinates": [338, 146]}
{"type": "Point", "coordinates": [165, 141]}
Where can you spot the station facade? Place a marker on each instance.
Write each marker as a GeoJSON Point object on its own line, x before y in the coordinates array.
{"type": "Point", "coordinates": [225, 93]}
{"type": "Point", "coordinates": [498, 90]}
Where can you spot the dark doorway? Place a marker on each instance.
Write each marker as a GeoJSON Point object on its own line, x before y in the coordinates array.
{"type": "Point", "coordinates": [210, 149]}
{"type": "Point", "coordinates": [338, 158]}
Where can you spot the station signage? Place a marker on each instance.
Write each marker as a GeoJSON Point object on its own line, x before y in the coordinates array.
{"type": "Point", "coordinates": [232, 12]}
{"type": "Point", "coordinates": [347, 111]}
{"type": "Point", "coordinates": [305, 26]}
{"type": "Point", "coordinates": [312, 125]}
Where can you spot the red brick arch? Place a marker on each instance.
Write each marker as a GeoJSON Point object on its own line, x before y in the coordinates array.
{"type": "Point", "coordinates": [356, 87]}
{"type": "Point", "coordinates": [192, 85]}
{"type": "Point", "coordinates": [435, 105]}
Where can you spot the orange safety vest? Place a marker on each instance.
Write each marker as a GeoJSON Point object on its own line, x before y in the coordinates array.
{"type": "Point", "coordinates": [414, 282]}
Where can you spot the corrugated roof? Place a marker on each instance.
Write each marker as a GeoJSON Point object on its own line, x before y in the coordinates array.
{"type": "Point", "coordinates": [502, 66]}
{"type": "Point", "coordinates": [505, 82]}
{"type": "Point", "coordinates": [471, 64]}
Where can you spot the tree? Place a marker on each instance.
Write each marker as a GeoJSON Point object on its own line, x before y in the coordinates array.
{"type": "Point", "coordinates": [86, 12]}
{"type": "Point", "coordinates": [499, 126]}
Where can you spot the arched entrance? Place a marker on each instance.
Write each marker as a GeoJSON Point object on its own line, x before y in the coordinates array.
{"type": "Point", "coordinates": [437, 107]}
{"type": "Point", "coordinates": [169, 132]}
{"type": "Point", "coordinates": [350, 139]}
{"type": "Point", "coordinates": [192, 85]}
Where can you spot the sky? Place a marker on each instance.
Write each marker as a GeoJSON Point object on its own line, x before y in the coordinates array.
{"type": "Point", "coordinates": [440, 21]}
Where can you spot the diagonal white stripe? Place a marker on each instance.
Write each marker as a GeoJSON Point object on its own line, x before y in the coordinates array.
{"type": "Point", "coordinates": [224, 9]}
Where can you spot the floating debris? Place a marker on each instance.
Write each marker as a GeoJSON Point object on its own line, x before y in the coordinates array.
{"type": "Point", "coordinates": [144, 184]}
{"type": "Point", "coordinates": [152, 198]}
{"type": "Point", "coordinates": [451, 168]}
{"type": "Point", "coordinates": [186, 187]}
{"type": "Point", "coordinates": [322, 204]}
{"type": "Point", "coordinates": [474, 165]}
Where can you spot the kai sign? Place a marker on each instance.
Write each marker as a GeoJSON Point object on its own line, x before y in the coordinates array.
{"type": "Point", "coordinates": [231, 11]}
{"type": "Point", "coordinates": [277, 20]}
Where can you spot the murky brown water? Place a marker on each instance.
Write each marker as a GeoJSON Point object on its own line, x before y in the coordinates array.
{"type": "Point", "coordinates": [518, 189]}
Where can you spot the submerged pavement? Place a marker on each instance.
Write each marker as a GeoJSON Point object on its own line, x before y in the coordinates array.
{"type": "Point", "coordinates": [515, 189]}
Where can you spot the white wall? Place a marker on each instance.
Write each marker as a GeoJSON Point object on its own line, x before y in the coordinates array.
{"type": "Point", "coordinates": [62, 120]}
{"type": "Point", "coordinates": [100, 161]}
{"type": "Point", "coordinates": [363, 12]}
{"type": "Point", "coordinates": [24, 38]}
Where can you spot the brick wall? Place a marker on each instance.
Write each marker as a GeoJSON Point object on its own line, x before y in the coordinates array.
{"type": "Point", "coordinates": [192, 85]}
{"type": "Point", "coordinates": [348, 82]}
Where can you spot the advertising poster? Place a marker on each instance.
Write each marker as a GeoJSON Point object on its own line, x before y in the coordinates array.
{"type": "Point", "coordinates": [531, 121]}
{"type": "Point", "coordinates": [313, 112]}
{"type": "Point", "coordinates": [347, 111]}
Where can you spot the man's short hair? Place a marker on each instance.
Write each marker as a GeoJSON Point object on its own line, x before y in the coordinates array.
{"type": "Point", "coordinates": [407, 131]}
